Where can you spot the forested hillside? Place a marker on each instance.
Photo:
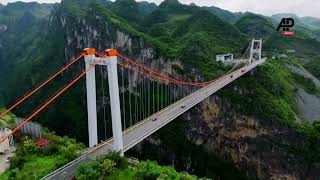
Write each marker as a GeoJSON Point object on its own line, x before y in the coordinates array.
{"type": "Point", "coordinates": [253, 128]}
{"type": "Point", "coordinates": [255, 25]}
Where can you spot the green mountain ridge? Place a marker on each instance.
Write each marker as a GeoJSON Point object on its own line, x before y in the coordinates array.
{"type": "Point", "coordinates": [313, 22]}
{"type": "Point", "coordinates": [256, 26]}
{"type": "Point", "coordinates": [166, 10]}
{"type": "Point", "coordinates": [305, 47]}
{"type": "Point", "coordinates": [192, 30]}
{"type": "Point", "coordinates": [307, 21]}
{"type": "Point", "coordinates": [223, 14]}
{"type": "Point", "coordinates": [17, 9]}
{"type": "Point", "coordinates": [127, 9]}
{"type": "Point", "coordinates": [146, 8]}
{"type": "Point", "coordinates": [309, 26]}
{"type": "Point", "coordinates": [170, 4]}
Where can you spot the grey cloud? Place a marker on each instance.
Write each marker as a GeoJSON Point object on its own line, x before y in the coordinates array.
{"type": "Point", "coordinates": [266, 7]}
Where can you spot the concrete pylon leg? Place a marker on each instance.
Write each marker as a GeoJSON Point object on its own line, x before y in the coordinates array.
{"type": "Point", "coordinates": [260, 50]}
{"type": "Point", "coordinates": [251, 51]}
{"type": "Point", "coordinates": [111, 61]}
{"type": "Point", "coordinates": [91, 100]}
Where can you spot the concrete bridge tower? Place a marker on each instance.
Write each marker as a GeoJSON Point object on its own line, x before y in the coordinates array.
{"type": "Point", "coordinates": [255, 50]}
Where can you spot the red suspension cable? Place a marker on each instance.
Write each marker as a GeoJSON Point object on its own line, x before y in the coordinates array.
{"type": "Point", "coordinates": [164, 79]}
{"type": "Point", "coordinates": [172, 79]}
{"type": "Point", "coordinates": [40, 86]}
{"type": "Point", "coordinates": [52, 99]}
{"type": "Point", "coordinates": [178, 81]}
{"type": "Point", "coordinates": [149, 73]}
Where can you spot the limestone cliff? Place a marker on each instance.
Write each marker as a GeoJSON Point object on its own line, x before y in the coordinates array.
{"type": "Point", "coordinates": [257, 147]}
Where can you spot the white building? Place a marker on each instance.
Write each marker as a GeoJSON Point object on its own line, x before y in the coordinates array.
{"type": "Point", "coordinates": [224, 57]}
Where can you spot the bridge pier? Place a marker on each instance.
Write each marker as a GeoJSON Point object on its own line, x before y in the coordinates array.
{"type": "Point", "coordinates": [91, 97]}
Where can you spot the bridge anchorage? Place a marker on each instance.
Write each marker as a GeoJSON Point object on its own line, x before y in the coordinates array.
{"type": "Point", "coordinates": [154, 99]}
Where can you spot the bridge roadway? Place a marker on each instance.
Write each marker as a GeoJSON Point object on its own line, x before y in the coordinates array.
{"type": "Point", "coordinates": [145, 128]}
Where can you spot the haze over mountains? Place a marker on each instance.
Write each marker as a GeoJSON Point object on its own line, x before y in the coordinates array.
{"type": "Point", "coordinates": [302, 8]}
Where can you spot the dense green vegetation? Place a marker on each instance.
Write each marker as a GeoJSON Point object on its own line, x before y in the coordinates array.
{"type": "Point", "coordinates": [33, 162]}
{"type": "Point", "coordinates": [223, 14]}
{"type": "Point", "coordinates": [312, 22]}
{"type": "Point", "coordinates": [201, 162]}
{"type": "Point", "coordinates": [271, 94]}
{"type": "Point", "coordinates": [256, 26]}
{"type": "Point", "coordinates": [191, 34]}
{"type": "Point", "coordinates": [146, 8]}
{"type": "Point", "coordinates": [305, 25]}
{"type": "Point", "coordinates": [127, 9]}
{"type": "Point", "coordinates": [194, 36]}
{"type": "Point", "coordinates": [112, 166]}
{"type": "Point", "coordinates": [13, 11]}
{"type": "Point", "coordinates": [311, 150]}
{"type": "Point", "coordinates": [272, 97]}
{"type": "Point", "coordinates": [305, 47]}
{"type": "Point", "coordinates": [313, 66]}
{"type": "Point", "coordinates": [29, 59]}
{"type": "Point", "coordinates": [307, 84]}
{"type": "Point", "coordinates": [7, 120]}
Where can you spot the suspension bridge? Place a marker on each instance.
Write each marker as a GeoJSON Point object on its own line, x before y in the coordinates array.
{"type": "Point", "coordinates": [142, 100]}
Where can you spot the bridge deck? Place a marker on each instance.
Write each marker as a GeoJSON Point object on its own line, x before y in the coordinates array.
{"type": "Point", "coordinates": [140, 131]}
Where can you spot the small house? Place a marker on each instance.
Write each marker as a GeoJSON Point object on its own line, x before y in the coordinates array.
{"type": "Point", "coordinates": [224, 57]}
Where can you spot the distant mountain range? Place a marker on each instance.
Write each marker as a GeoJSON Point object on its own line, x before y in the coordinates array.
{"type": "Point", "coordinates": [37, 39]}
{"type": "Point", "coordinates": [174, 29]}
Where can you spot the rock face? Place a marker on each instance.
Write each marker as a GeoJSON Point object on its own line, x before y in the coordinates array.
{"type": "Point", "coordinates": [257, 147]}
{"type": "Point", "coordinates": [3, 28]}
{"type": "Point", "coordinates": [308, 104]}
{"type": "Point", "coordinates": [101, 33]}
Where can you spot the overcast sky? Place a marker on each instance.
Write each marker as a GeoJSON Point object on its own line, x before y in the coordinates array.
{"type": "Point", "coordinates": [266, 7]}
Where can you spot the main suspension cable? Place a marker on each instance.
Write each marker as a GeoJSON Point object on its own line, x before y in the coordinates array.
{"type": "Point", "coordinates": [41, 85]}
{"type": "Point", "coordinates": [163, 76]}
{"type": "Point", "coordinates": [52, 99]}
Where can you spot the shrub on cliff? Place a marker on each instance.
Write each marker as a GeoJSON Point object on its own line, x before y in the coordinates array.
{"type": "Point", "coordinates": [113, 166]}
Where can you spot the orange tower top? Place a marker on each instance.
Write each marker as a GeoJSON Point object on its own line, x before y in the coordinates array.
{"type": "Point", "coordinates": [111, 52]}
{"type": "Point", "coordinates": [89, 51]}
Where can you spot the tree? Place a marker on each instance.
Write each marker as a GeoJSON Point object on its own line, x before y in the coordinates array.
{"type": "Point", "coordinates": [107, 166]}
{"type": "Point", "coordinates": [29, 147]}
